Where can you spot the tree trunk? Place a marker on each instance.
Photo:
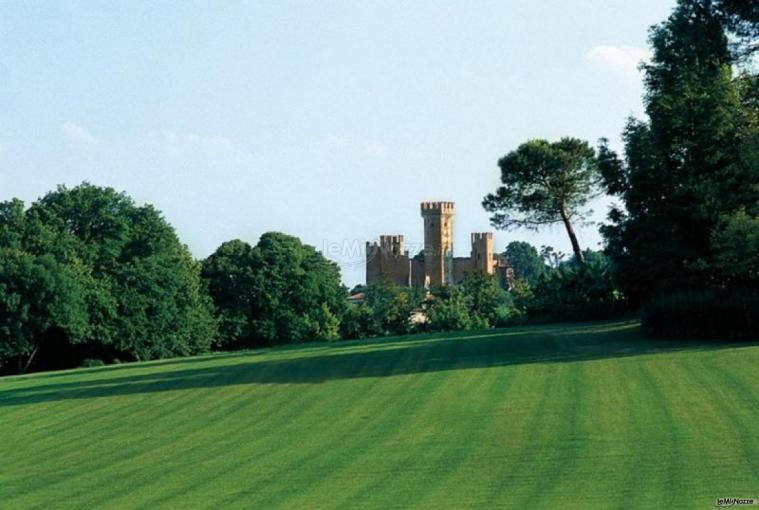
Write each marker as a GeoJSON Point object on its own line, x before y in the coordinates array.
{"type": "Point", "coordinates": [572, 237]}
{"type": "Point", "coordinates": [29, 360]}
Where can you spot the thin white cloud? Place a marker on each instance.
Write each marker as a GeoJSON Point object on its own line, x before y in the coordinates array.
{"type": "Point", "coordinates": [78, 134]}
{"type": "Point", "coordinates": [191, 143]}
{"type": "Point", "coordinates": [621, 60]}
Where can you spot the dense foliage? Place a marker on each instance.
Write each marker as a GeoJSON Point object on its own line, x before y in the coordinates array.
{"type": "Point", "coordinates": [525, 260]}
{"type": "Point", "coordinates": [385, 309]}
{"type": "Point", "coordinates": [229, 274]}
{"type": "Point", "coordinates": [577, 291]}
{"type": "Point", "coordinates": [723, 314]}
{"type": "Point", "coordinates": [477, 303]}
{"type": "Point", "coordinates": [86, 266]}
{"type": "Point", "coordinates": [278, 291]}
{"type": "Point", "coordinates": [688, 168]}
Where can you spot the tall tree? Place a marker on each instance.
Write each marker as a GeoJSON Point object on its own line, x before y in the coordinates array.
{"type": "Point", "coordinates": [543, 184]}
{"type": "Point", "coordinates": [685, 167]}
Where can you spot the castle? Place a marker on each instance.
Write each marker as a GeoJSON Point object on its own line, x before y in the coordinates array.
{"type": "Point", "coordinates": [435, 265]}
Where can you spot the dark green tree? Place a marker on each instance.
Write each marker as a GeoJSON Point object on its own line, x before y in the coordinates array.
{"type": "Point", "coordinates": [276, 292]}
{"type": "Point", "coordinates": [229, 274]}
{"type": "Point", "coordinates": [123, 263]}
{"type": "Point", "coordinates": [448, 309]}
{"type": "Point", "coordinates": [387, 308]}
{"type": "Point", "coordinates": [690, 164]}
{"type": "Point", "coordinates": [487, 302]}
{"type": "Point", "coordinates": [297, 294]}
{"type": "Point", "coordinates": [543, 184]}
{"type": "Point", "coordinates": [525, 260]}
{"type": "Point", "coordinates": [736, 247]}
{"type": "Point", "coordinates": [39, 298]}
{"type": "Point", "coordinates": [576, 291]}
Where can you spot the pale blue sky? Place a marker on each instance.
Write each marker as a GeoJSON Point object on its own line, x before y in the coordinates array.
{"type": "Point", "coordinates": [327, 120]}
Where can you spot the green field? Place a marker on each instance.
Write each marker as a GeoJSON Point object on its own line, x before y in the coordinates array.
{"type": "Point", "coordinates": [555, 416]}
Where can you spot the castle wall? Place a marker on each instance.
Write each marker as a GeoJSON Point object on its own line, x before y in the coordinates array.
{"type": "Point", "coordinates": [461, 266]}
{"type": "Point", "coordinates": [389, 261]}
{"type": "Point", "coordinates": [373, 264]}
{"type": "Point", "coordinates": [418, 274]}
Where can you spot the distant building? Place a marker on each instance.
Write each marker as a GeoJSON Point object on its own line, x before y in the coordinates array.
{"type": "Point", "coordinates": [435, 265]}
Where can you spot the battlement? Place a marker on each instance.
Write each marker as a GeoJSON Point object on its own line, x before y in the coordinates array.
{"type": "Point", "coordinates": [387, 260]}
{"type": "Point", "coordinates": [388, 245]}
{"type": "Point", "coordinates": [481, 236]}
{"type": "Point", "coordinates": [394, 244]}
{"type": "Point", "coordinates": [391, 239]}
{"type": "Point", "coordinates": [430, 208]}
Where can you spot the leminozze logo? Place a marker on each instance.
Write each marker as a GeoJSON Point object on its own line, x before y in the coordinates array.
{"type": "Point", "coordinates": [726, 502]}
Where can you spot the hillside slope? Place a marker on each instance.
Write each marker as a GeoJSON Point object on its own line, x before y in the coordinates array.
{"type": "Point", "coordinates": [556, 416]}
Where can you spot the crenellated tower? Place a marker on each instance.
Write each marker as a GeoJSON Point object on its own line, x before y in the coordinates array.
{"type": "Point", "coordinates": [483, 259]}
{"type": "Point", "coordinates": [438, 242]}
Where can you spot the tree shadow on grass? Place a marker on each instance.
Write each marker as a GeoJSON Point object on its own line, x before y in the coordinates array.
{"type": "Point", "coordinates": [376, 358]}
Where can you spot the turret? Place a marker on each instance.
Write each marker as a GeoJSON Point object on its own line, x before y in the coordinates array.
{"type": "Point", "coordinates": [438, 241]}
{"type": "Point", "coordinates": [482, 252]}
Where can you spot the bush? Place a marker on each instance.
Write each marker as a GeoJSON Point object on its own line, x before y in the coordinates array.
{"type": "Point", "coordinates": [89, 362]}
{"type": "Point", "coordinates": [449, 311]}
{"type": "Point", "coordinates": [385, 310]}
{"type": "Point", "coordinates": [708, 314]}
{"type": "Point", "coordinates": [574, 292]}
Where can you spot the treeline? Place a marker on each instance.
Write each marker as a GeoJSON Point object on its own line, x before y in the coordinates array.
{"type": "Point", "coordinates": [88, 277]}
{"type": "Point", "coordinates": [684, 238]}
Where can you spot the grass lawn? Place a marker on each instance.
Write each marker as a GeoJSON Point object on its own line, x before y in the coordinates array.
{"type": "Point", "coordinates": [554, 416]}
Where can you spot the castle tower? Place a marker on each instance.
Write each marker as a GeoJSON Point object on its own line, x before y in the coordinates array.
{"type": "Point", "coordinates": [393, 244]}
{"type": "Point", "coordinates": [438, 242]}
{"type": "Point", "coordinates": [388, 261]}
{"type": "Point", "coordinates": [483, 259]}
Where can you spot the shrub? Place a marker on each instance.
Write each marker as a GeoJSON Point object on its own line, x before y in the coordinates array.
{"type": "Point", "coordinates": [449, 311]}
{"type": "Point", "coordinates": [89, 362]}
{"type": "Point", "coordinates": [386, 310]}
{"type": "Point", "coordinates": [574, 292]}
{"type": "Point", "coordinates": [707, 314]}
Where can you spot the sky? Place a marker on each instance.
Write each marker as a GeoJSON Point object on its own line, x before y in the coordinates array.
{"type": "Point", "coordinates": [326, 120]}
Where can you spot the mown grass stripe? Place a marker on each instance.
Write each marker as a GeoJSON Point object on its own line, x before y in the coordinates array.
{"type": "Point", "coordinates": [573, 415]}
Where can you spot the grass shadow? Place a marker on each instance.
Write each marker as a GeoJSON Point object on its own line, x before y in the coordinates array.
{"type": "Point", "coordinates": [318, 363]}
